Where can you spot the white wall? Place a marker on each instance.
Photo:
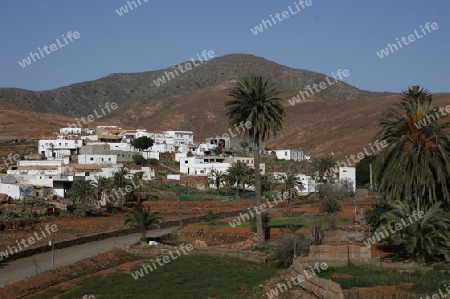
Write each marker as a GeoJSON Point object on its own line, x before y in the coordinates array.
{"type": "Point", "coordinates": [97, 159]}
{"type": "Point", "coordinates": [39, 163]}
{"type": "Point", "coordinates": [348, 173]}
{"type": "Point", "coordinates": [11, 190]}
{"type": "Point", "coordinates": [295, 155]}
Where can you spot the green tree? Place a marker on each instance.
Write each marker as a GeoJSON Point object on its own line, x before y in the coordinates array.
{"type": "Point", "coordinates": [330, 206]}
{"type": "Point", "coordinates": [142, 220]}
{"type": "Point", "coordinates": [323, 166]}
{"type": "Point", "coordinates": [217, 151]}
{"type": "Point", "coordinates": [217, 178]}
{"type": "Point", "coordinates": [137, 181]}
{"type": "Point", "coordinates": [142, 143]}
{"type": "Point", "coordinates": [139, 160]}
{"type": "Point", "coordinates": [120, 180]}
{"type": "Point", "coordinates": [290, 183]}
{"type": "Point", "coordinates": [244, 145]}
{"type": "Point", "coordinates": [425, 238]}
{"type": "Point", "coordinates": [239, 173]}
{"type": "Point", "coordinates": [415, 165]}
{"type": "Point", "coordinates": [266, 184]}
{"type": "Point", "coordinates": [363, 171]}
{"type": "Point", "coordinates": [255, 100]}
{"type": "Point", "coordinates": [102, 185]}
{"type": "Point", "coordinates": [83, 192]}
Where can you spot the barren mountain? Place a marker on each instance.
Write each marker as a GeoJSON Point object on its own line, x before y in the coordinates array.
{"type": "Point", "coordinates": [341, 119]}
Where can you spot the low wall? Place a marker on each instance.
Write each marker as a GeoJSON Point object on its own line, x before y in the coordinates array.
{"type": "Point", "coordinates": [107, 235]}
{"type": "Point", "coordinates": [322, 288]}
{"type": "Point", "coordinates": [347, 252]}
{"type": "Point", "coordinates": [253, 256]}
{"type": "Point", "coordinates": [69, 243]}
{"type": "Point", "coordinates": [154, 251]}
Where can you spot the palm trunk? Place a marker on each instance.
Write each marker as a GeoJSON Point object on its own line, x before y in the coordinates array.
{"type": "Point", "coordinates": [143, 236]}
{"type": "Point", "coordinates": [259, 224]}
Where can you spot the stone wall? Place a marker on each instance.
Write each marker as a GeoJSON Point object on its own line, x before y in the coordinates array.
{"type": "Point", "coordinates": [344, 252]}
{"type": "Point", "coordinates": [322, 288]}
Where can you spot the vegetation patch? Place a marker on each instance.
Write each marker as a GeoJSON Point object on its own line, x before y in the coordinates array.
{"type": "Point", "coordinates": [193, 276]}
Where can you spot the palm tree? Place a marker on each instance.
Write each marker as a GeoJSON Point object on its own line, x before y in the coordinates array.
{"type": "Point", "coordinates": [121, 181]}
{"type": "Point", "coordinates": [83, 191]}
{"type": "Point", "coordinates": [244, 145]}
{"type": "Point", "coordinates": [330, 206]}
{"type": "Point", "coordinates": [102, 185]}
{"type": "Point", "coordinates": [240, 174]}
{"type": "Point", "coordinates": [142, 220]}
{"type": "Point", "coordinates": [289, 184]}
{"type": "Point", "coordinates": [217, 178]}
{"type": "Point", "coordinates": [266, 184]}
{"type": "Point", "coordinates": [137, 181]}
{"type": "Point", "coordinates": [255, 100]}
{"type": "Point", "coordinates": [424, 233]}
{"type": "Point", "coordinates": [323, 166]}
{"type": "Point", "coordinates": [415, 165]}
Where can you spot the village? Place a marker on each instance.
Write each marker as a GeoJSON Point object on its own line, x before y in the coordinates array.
{"type": "Point", "coordinates": [86, 154]}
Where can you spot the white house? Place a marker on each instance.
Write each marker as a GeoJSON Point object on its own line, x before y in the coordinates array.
{"type": "Point", "coordinates": [203, 166]}
{"type": "Point", "coordinates": [97, 159]}
{"type": "Point", "coordinates": [70, 131]}
{"type": "Point", "coordinates": [290, 154]}
{"type": "Point", "coordinates": [348, 174]}
{"type": "Point", "coordinates": [60, 147]}
{"type": "Point", "coordinates": [308, 184]}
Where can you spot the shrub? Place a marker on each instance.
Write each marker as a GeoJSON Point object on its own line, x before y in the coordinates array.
{"type": "Point", "coordinates": [290, 245]}
{"type": "Point", "coordinates": [139, 160]}
{"type": "Point", "coordinates": [341, 190]}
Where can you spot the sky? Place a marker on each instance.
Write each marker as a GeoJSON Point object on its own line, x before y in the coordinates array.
{"type": "Point", "coordinates": [323, 37]}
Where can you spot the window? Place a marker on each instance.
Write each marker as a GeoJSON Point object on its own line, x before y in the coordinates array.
{"type": "Point", "coordinates": [186, 162]}
{"type": "Point", "coordinates": [285, 153]}
{"type": "Point", "coordinates": [92, 159]}
{"type": "Point", "coordinates": [49, 177]}
{"type": "Point", "coordinates": [109, 159]}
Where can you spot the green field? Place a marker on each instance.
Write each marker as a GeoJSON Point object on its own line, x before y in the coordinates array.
{"type": "Point", "coordinates": [301, 222]}
{"type": "Point", "coordinates": [187, 277]}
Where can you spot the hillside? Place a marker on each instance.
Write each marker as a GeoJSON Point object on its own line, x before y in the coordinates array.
{"type": "Point", "coordinates": [341, 119]}
{"type": "Point", "coordinates": [80, 99]}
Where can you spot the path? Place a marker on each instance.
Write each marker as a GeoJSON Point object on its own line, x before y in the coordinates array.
{"type": "Point", "coordinates": [29, 266]}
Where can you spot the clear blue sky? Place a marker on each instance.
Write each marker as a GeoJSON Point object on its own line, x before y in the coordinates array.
{"type": "Point", "coordinates": [327, 36]}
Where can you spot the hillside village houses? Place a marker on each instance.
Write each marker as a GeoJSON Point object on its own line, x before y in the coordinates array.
{"type": "Point", "coordinates": [84, 153]}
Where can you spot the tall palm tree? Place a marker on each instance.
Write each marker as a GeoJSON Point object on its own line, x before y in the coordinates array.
{"type": "Point", "coordinates": [289, 184]}
{"type": "Point", "coordinates": [425, 236]}
{"type": "Point", "coordinates": [137, 181]}
{"type": "Point", "coordinates": [415, 165]}
{"type": "Point", "coordinates": [142, 220]}
{"type": "Point", "coordinates": [84, 192]}
{"type": "Point", "coordinates": [102, 185]}
{"type": "Point", "coordinates": [120, 179]}
{"type": "Point", "coordinates": [255, 100]}
{"type": "Point", "coordinates": [240, 174]}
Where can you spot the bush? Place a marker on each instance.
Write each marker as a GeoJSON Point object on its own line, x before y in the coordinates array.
{"type": "Point", "coordinates": [153, 161]}
{"type": "Point", "coordinates": [289, 245]}
{"type": "Point", "coordinates": [342, 190]}
{"type": "Point", "coordinates": [139, 160]}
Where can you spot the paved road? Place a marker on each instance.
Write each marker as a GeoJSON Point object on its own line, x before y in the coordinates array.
{"type": "Point", "coordinates": [29, 266]}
